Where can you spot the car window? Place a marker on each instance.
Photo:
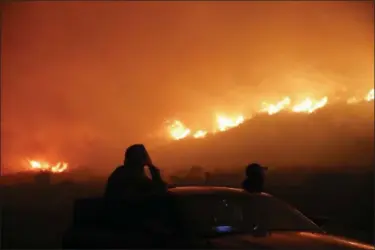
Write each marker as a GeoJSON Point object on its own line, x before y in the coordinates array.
{"type": "Point", "coordinates": [206, 213]}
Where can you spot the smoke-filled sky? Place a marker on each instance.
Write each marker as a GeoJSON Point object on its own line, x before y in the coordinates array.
{"type": "Point", "coordinates": [79, 76]}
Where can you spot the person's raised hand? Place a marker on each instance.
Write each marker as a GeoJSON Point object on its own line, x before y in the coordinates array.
{"type": "Point", "coordinates": [154, 171]}
{"type": "Point", "coordinates": [148, 161]}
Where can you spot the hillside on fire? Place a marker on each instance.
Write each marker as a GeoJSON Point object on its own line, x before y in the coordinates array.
{"type": "Point", "coordinates": [339, 135]}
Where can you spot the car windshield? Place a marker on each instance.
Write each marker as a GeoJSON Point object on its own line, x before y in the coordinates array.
{"type": "Point", "coordinates": [226, 213]}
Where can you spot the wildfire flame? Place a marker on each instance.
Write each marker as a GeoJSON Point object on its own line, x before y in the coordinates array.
{"type": "Point", "coordinates": [370, 96]}
{"type": "Point", "coordinates": [177, 130]}
{"type": "Point", "coordinates": [45, 166]}
{"type": "Point", "coordinates": [275, 108]}
{"type": "Point", "coordinates": [224, 123]}
{"type": "Point", "coordinates": [309, 105]}
{"type": "Point", "coordinates": [200, 134]}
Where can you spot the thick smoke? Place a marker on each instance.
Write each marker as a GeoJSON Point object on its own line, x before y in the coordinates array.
{"type": "Point", "coordinates": [83, 80]}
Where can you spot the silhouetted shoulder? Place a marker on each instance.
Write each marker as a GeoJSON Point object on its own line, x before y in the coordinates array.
{"type": "Point", "coordinates": [120, 170]}
{"type": "Point", "coordinates": [116, 181]}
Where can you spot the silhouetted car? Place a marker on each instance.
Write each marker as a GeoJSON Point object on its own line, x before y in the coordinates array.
{"type": "Point", "coordinates": [197, 217]}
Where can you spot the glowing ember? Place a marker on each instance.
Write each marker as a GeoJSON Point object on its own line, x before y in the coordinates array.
{"type": "Point", "coordinates": [45, 166]}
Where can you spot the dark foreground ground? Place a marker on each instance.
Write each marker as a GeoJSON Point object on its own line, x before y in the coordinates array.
{"type": "Point", "coordinates": [35, 216]}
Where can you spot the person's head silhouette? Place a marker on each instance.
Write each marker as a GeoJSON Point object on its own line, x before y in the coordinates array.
{"type": "Point", "coordinates": [255, 175]}
{"type": "Point", "coordinates": [136, 157]}
{"type": "Point", "coordinates": [255, 169]}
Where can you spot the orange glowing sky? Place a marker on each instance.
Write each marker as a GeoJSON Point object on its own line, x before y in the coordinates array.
{"type": "Point", "coordinates": [83, 76]}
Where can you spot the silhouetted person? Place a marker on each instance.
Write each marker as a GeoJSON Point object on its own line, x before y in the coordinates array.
{"type": "Point", "coordinates": [255, 175]}
{"type": "Point", "coordinates": [130, 178]}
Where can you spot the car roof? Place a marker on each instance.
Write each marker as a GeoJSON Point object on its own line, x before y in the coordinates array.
{"type": "Point", "coordinates": [206, 190]}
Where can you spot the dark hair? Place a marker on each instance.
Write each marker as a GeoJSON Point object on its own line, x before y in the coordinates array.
{"type": "Point", "coordinates": [254, 169]}
{"type": "Point", "coordinates": [135, 153]}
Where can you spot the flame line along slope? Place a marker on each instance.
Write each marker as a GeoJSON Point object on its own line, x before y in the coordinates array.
{"type": "Point", "coordinates": [338, 135]}
{"type": "Point", "coordinates": [178, 130]}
